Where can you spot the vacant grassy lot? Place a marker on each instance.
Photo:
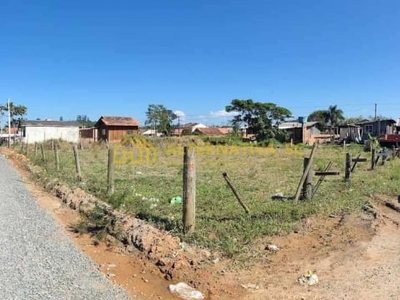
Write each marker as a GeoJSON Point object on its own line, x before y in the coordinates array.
{"type": "Point", "coordinates": [148, 174]}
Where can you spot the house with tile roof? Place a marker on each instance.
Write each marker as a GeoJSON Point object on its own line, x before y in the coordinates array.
{"type": "Point", "coordinates": [115, 128]}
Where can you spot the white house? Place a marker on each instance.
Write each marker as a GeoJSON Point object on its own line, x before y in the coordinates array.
{"type": "Point", "coordinates": [151, 132]}
{"type": "Point", "coordinates": [39, 131]}
{"type": "Point", "coordinates": [193, 126]}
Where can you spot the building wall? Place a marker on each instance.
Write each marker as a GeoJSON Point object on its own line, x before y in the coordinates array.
{"type": "Point", "coordinates": [116, 133]}
{"type": "Point", "coordinates": [40, 134]}
{"type": "Point", "coordinates": [88, 134]}
{"type": "Point", "coordinates": [309, 134]}
{"type": "Point", "coordinates": [376, 128]}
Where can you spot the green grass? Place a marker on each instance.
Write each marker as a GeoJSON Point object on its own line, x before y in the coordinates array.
{"type": "Point", "coordinates": [145, 187]}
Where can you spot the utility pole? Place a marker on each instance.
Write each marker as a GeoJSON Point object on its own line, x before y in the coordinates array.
{"type": "Point", "coordinates": [1, 123]}
{"type": "Point", "coordinates": [9, 123]}
{"type": "Point", "coordinates": [375, 111]}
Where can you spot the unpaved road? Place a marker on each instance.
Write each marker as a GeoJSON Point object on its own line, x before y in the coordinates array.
{"type": "Point", "coordinates": [38, 260]}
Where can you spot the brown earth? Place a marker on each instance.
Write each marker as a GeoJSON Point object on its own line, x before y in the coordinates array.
{"type": "Point", "coordinates": [355, 257]}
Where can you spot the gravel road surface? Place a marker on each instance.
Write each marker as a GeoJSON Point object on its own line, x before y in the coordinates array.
{"type": "Point", "coordinates": [38, 260]}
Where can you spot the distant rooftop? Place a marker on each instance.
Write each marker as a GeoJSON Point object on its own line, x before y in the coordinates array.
{"type": "Point", "coordinates": [118, 121]}
{"type": "Point", "coordinates": [50, 123]}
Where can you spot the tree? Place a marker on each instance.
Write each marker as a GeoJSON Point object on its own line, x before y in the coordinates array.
{"type": "Point", "coordinates": [335, 115]}
{"type": "Point", "coordinates": [260, 118]}
{"type": "Point", "coordinates": [16, 113]}
{"type": "Point", "coordinates": [321, 116]}
{"type": "Point", "coordinates": [332, 116]}
{"type": "Point", "coordinates": [160, 118]}
{"type": "Point", "coordinates": [84, 121]}
{"type": "Point", "coordinates": [353, 120]}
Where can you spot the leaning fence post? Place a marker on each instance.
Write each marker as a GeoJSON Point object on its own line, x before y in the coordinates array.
{"type": "Point", "coordinates": [189, 191]}
{"type": "Point", "coordinates": [305, 173]}
{"type": "Point", "coordinates": [307, 185]}
{"type": "Point", "coordinates": [347, 168]}
{"type": "Point", "coordinates": [110, 172]}
{"type": "Point", "coordinates": [77, 163]}
{"type": "Point", "coordinates": [235, 192]}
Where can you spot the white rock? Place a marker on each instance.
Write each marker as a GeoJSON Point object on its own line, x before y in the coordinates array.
{"type": "Point", "coordinates": [250, 286]}
{"type": "Point", "coordinates": [185, 291]}
{"type": "Point", "coordinates": [272, 248]}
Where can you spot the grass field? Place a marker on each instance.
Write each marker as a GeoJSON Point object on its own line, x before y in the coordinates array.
{"type": "Point", "coordinates": [148, 174]}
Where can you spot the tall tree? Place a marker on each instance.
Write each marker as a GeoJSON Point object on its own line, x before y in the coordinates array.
{"type": "Point", "coordinates": [332, 116]}
{"type": "Point", "coordinates": [335, 115]}
{"type": "Point", "coordinates": [260, 118]}
{"type": "Point", "coordinates": [17, 112]}
{"type": "Point", "coordinates": [321, 116]}
{"type": "Point", "coordinates": [83, 120]}
{"type": "Point", "coordinates": [160, 118]}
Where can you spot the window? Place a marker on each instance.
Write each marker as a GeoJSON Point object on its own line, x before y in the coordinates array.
{"type": "Point", "coordinates": [103, 132]}
{"type": "Point", "coordinates": [368, 128]}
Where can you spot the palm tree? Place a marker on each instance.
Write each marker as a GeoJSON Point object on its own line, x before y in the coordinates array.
{"type": "Point", "coordinates": [335, 115]}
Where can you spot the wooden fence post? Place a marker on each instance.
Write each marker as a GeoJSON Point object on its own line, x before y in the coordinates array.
{"type": "Point", "coordinates": [307, 185]}
{"type": "Point", "coordinates": [110, 172]}
{"type": "Point", "coordinates": [189, 191]}
{"type": "Point", "coordinates": [372, 159]}
{"type": "Point", "coordinates": [57, 157]}
{"type": "Point", "coordinates": [347, 168]}
{"type": "Point", "coordinates": [22, 147]}
{"type": "Point", "coordinates": [305, 173]}
{"type": "Point", "coordinates": [35, 153]}
{"type": "Point", "coordinates": [43, 154]}
{"type": "Point", "coordinates": [77, 163]}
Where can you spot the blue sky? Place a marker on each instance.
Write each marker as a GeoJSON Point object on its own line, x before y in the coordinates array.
{"type": "Point", "coordinates": [65, 58]}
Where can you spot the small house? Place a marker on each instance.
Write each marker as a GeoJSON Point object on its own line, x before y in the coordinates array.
{"type": "Point", "coordinates": [209, 131]}
{"type": "Point", "coordinates": [177, 132]}
{"type": "Point", "coordinates": [350, 133]}
{"type": "Point", "coordinates": [299, 132]}
{"type": "Point", "coordinates": [376, 128]}
{"type": "Point", "coordinates": [39, 131]}
{"type": "Point", "coordinates": [191, 127]}
{"type": "Point", "coordinates": [115, 128]}
{"type": "Point", "coordinates": [152, 132]}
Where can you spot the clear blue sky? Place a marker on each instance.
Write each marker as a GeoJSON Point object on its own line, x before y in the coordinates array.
{"type": "Point", "coordinates": [65, 58]}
